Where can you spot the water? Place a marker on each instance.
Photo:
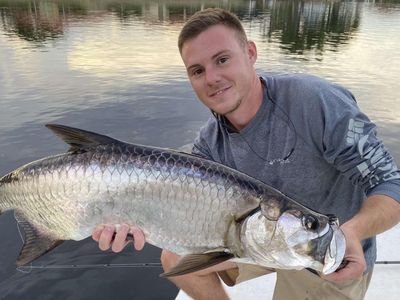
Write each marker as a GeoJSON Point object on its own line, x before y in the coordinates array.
{"type": "Point", "coordinates": [113, 67]}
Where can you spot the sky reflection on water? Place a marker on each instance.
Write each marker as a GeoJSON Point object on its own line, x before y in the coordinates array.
{"type": "Point", "coordinates": [68, 56]}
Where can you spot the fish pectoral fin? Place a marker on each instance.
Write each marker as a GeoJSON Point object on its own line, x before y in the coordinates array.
{"type": "Point", "coordinates": [36, 243]}
{"type": "Point", "coordinates": [78, 138]}
{"type": "Point", "coordinates": [196, 262]}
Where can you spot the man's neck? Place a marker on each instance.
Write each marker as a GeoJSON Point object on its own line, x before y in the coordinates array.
{"type": "Point", "coordinates": [250, 106]}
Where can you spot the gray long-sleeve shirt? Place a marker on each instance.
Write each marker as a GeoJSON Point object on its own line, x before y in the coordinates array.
{"type": "Point", "coordinates": [310, 141]}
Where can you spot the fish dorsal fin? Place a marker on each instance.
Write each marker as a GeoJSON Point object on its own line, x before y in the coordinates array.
{"type": "Point", "coordinates": [36, 243]}
{"type": "Point", "coordinates": [78, 138]}
{"type": "Point", "coordinates": [196, 262]}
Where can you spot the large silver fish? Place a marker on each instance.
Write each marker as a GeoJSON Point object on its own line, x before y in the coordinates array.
{"type": "Point", "coordinates": [183, 203]}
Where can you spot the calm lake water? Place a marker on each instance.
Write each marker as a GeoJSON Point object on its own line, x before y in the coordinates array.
{"type": "Point", "coordinates": [113, 67]}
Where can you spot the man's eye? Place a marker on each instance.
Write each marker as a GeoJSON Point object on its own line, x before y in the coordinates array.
{"type": "Point", "coordinates": [197, 72]}
{"type": "Point", "coordinates": [222, 60]}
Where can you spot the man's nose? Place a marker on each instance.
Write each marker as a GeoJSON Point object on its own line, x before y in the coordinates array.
{"type": "Point", "coordinates": [212, 76]}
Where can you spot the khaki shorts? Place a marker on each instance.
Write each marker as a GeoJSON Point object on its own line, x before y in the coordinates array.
{"type": "Point", "coordinates": [303, 284]}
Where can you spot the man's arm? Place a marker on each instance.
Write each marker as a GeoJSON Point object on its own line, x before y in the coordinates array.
{"type": "Point", "coordinates": [378, 214]}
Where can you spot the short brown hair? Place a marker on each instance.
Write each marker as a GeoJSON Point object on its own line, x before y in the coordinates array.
{"type": "Point", "coordinates": [204, 19]}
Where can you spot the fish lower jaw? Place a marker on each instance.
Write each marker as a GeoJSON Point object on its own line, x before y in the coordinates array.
{"type": "Point", "coordinates": [335, 253]}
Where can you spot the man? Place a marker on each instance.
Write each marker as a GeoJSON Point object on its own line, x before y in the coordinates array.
{"type": "Point", "coordinates": [299, 134]}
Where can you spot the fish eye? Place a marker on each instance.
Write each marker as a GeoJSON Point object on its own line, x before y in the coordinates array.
{"type": "Point", "coordinates": [310, 222]}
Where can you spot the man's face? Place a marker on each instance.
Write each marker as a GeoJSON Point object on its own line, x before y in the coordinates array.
{"type": "Point", "coordinates": [220, 68]}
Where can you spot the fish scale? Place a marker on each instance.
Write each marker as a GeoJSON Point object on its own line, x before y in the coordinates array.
{"type": "Point", "coordinates": [183, 203]}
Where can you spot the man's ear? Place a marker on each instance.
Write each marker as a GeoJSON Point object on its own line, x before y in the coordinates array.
{"type": "Point", "coordinates": [252, 51]}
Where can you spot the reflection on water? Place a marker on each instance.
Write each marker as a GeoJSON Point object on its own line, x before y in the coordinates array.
{"type": "Point", "coordinates": [34, 21]}
{"type": "Point", "coordinates": [68, 53]}
{"type": "Point", "coordinates": [113, 67]}
{"type": "Point", "coordinates": [298, 25]}
{"type": "Point", "coordinates": [303, 25]}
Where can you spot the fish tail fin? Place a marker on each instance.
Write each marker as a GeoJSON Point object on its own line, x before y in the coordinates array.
{"type": "Point", "coordinates": [36, 243]}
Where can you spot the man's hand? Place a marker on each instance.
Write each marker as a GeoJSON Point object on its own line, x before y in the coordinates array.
{"type": "Point", "coordinates": [378, 214]}
{"type": "Point", "coordinates": [117, 237]}
{"type": "Point", "coordinates": [354, 258]}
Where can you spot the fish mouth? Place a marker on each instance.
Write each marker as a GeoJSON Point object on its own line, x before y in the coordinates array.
{"type": "Point", "coordinates": [335, 252]}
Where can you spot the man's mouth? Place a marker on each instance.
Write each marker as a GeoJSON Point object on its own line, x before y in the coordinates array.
{"type": "Point", "coordinates": [219, 92]}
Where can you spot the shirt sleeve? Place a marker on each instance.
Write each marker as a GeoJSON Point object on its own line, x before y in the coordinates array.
{"type": "Point", "coordinates": [200, 145]}
{"type": "Point", "coordinates": [348, 140]}
{"type": "Point", "coordinates": [199, 149]}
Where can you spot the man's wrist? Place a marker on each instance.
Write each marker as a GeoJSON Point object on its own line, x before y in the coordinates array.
{"type": "Point", "coordinates": [352, 230]}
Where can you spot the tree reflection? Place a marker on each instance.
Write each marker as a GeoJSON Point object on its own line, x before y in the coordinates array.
{"type": "Point", "coordinates": [38, 20]}
{"type": "Point", "coordinates": [298, 25]}
{"type": "Point", "coordinates": [304, 25]}
{"type": "Point", "coordinates": [33, 20]}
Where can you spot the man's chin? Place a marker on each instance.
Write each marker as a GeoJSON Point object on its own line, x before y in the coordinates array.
{"type": "Point", "coordinates": [227, 111]}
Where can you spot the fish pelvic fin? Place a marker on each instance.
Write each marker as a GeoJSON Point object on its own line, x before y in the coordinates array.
{"type": "Point", "coordinates": [36, 243]}
{"type": "Point", "coordinates": [196, 262]}
{"type": "Point", "coordinates": [78, 138]}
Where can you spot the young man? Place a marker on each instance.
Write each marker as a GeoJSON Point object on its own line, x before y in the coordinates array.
{"type": "Point", "coordinates": [299, 134]}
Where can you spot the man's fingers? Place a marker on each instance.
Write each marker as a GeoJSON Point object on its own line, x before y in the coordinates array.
{"type": "Point", "coordinates": [120, 239]}
{"type": "Point", "coordinates": [106, 237]}
{"type": "Point", "coordinates": [97, 232]}
{"type": "Point", "coordinates": [351, 271]}
{"type": "Point", "coordinates": [138, 238]}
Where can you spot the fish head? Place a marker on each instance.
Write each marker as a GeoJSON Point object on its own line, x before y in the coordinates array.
{"type": "Point", "coordinates": [296, 239]}
{"type": "Point", "coordinates": [313, 239]}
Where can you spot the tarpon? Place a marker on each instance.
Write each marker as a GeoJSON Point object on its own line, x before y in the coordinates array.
{"type": "Point", "coordinates": [195, 207]}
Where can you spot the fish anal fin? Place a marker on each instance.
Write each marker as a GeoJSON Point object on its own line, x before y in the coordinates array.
{"type": "Point", "coordinates": [196, 262]}
{"type": "Point", "coordinates": [36, 243]}
{"type": "Point", "coordinates": [80, 139]}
